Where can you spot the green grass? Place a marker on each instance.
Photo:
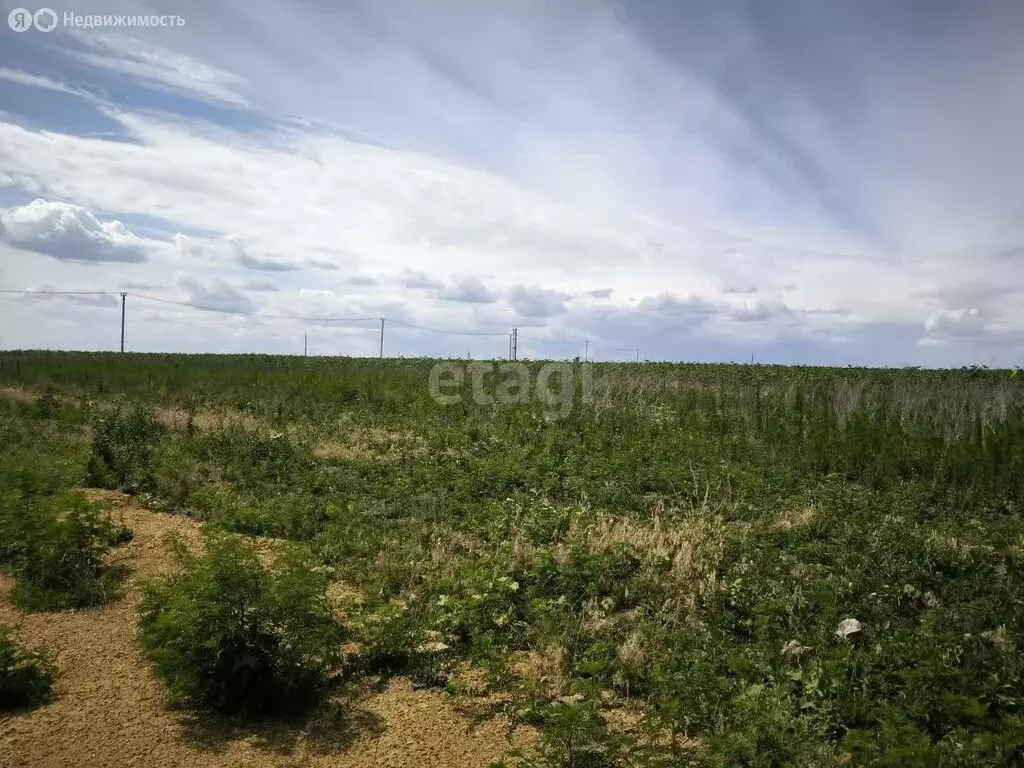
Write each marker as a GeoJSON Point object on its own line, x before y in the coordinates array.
{"type": "Point", "coordinates": [659, 546]}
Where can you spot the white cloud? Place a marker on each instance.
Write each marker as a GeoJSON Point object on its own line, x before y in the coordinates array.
{"type": "Point", "coordinates": [157, 66]}
{"type": "Point", "coordinates": [419, 280]}
{"type": "Point", "coordinates": [956, 322]}
{"type": "Point", "coordinates": [469, 290]}
{"type": "Point", "coordinates": [261, 284]}
{"type": "Point", "coordinates": [325, 195]}
{"type": "Point", "coordinates": [537, 302]}
{"type": "Point", "coordinates": [71, 233]}
{"type": "Point", "coordinates": [35, 81]}
{"type": "Point", "coordinates": [362, 280]}
{"type": "Point", "coordinates": [265, 263]}
{"type": "Point", "coordinates": [215, 293]}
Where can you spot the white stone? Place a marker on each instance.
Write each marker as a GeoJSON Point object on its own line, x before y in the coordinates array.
{"type": "Point", "coordinates": [848, 627]}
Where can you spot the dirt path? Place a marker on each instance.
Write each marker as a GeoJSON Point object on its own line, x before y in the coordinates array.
{"type": "Point", "coordinates": [108, 708]}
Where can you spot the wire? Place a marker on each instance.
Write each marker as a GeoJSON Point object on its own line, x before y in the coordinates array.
{"type": "Point", "coordinates": [306, 318]}
{"type": "Point", "coordinates": [59, 293]}
{"type": "Point", "coordinates": [449, 333]}
{"type": "Point", "coordinates": [249, 313]}
{"type": "Point", "coordinates": [195, 306]}
{"type": "Point", "coordinates": [246, 313]}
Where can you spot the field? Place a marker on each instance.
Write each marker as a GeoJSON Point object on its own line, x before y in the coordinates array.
{"type": "Point", "coordinates": [686, 565]}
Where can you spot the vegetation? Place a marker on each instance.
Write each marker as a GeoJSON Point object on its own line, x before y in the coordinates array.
{"type": "Point", "coordinates": [229, 635]}
{"type": "Point", "coordinates": [662, 577]}
{"type": "Point", "coordinates": [55, 549]}
{"type": "Point", "coordinates": [26, 676]}
{"type": "Point", "coordinates": [123, 442]}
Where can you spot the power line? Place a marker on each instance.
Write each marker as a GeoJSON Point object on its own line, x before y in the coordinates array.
{"type": "Point", "coordinates": [250, 313]}
{"type": "Point", "coordinates": [196, 306]}
{"type": "Point", "coordinates": [513, 345]}
{"type": "Point", "coordinates": [247, 313]}
{"type": "Point", "coordinates": [446, 332]}
{"type": "Point", "coordinates": [59, 293]}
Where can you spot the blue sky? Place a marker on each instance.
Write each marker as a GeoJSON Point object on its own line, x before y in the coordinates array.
{"type": "Point", "coordinates": [827, 182]}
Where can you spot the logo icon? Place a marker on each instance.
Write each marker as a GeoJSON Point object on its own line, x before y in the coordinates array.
{"type": "Point", "coordinates": [45, 19]}
{"type": "Point", "coordinates": [19, 20]}
{"type": "Point", "coordinates": [22, 19]}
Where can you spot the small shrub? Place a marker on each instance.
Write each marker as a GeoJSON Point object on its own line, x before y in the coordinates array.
{"type": "Point", "coordinates": [26, 676]}
{"type": "Point", "coordinates": [57, 560]}
{"type": "Point", "coordinates": [230, 635]}
{"type": "Point", "coordinates": [15, 520]}
{"type": "Point", "coordinates": [124, 444]}
{"type": "Point", "coordinates": [574, 735]}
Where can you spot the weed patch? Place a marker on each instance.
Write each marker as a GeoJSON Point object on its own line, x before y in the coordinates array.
{"type": "Point", "coordinates": [124, 442]}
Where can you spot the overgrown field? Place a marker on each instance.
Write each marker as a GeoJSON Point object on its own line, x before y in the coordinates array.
{"type": "Point", "coordinates": [658, 578]}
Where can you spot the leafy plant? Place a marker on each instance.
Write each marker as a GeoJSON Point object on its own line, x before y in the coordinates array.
{"type": "Point", "coordinates": [574, 735]}
{"type": "Point", "coordinates": [231, 635]}
{"type": "Point", "coordinates": [56, 551]}
{"type": "Point", "coordinates": [124, 442]}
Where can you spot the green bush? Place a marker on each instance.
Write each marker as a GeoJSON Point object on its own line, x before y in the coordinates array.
{"type": "Point", "coordinates": [57, 559]}
{"type": "Point", "coordinates": [124, 443]}
{"type": "Point", "coordinates": [26, 676]}
{"type": "Point", "coordinates": [230, 635]}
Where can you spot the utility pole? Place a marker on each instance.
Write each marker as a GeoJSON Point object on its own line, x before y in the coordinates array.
{"type": "Point", "coordinates": [123, 294]}
{"type": "Point", "coordinates": [638, 354]}
{"type": "Point", "coordinates": [305, 343]}
{"type": "Point", "coordinates": [586, 350]}
{"type": "Point", "coordinates": [515, 343]}
{"type": "Point", "coordinates": [382, 338]}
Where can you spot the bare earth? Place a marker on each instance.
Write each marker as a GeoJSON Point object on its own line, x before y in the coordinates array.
{"type": "Point", "coordinates": [108, 708]}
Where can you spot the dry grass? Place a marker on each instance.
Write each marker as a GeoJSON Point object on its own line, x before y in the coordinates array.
{"type": "Point", "coordinates": [356, 442]}
{"type": "Point", "coordinates": [18, 394]}
{"type": "Point", "coordinates": [210, 421]}
{"type": "Point", "coordinates": [546, 665]}
{"type": "Point", "coordinates": [692, 546]}
{"type": "Point", "coordinates": [372, 443]}
{"type": "Point", "coordinates": [797, 517]}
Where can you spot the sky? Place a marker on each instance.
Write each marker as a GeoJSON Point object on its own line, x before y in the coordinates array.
{"type": "Point", "coordinates": [827, 183]}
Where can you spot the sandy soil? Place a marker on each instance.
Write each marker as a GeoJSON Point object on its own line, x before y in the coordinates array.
{"type": "Point", "coordinates": [108, 708]}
